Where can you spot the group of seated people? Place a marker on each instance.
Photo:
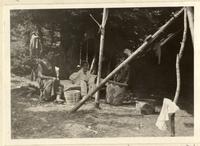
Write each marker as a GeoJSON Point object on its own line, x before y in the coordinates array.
{"type": "Point", "coordinates": [52, 90]}
{"type": "Point", "coordinates": [50, 87]}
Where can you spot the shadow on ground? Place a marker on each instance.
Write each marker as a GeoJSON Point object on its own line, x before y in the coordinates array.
{"type": "Point", "coordinates": [33, 120]}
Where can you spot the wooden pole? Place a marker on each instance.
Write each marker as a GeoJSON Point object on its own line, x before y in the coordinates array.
{"type": "Point", "coordinates": [190, 16]}
{"type": "Point", "coordinates": [87, 51]}
{"type": "Point", "coordinates": [118, 83]}
{"type": "Point", "coordinates": [125, 62]}
{"type": "Point", "coordinates": [92, 64]}
{"type": "Point", "coordinates": [172, 123]}
{"type": "Point", "coordinates": [80, 54]}
{"type": "Point", "coordinates": [100, 55]}
{"type": "Point", "coordinates": [178, 75]}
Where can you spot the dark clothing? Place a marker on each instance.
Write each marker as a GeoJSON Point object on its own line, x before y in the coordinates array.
{"type": "Point", "coordinates": [49, 87]}
{"type": "Point", "coordinates": [123, 75]}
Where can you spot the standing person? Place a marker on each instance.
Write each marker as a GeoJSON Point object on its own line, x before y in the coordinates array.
{"type": "Point", "coordinates": [35, 49]}
{"type": "Point", "coordinates": [50, 87]}
{"type": "Point", "coordinates": [82, 78]}
{"type": "Point", "coordinates": [35, 45]}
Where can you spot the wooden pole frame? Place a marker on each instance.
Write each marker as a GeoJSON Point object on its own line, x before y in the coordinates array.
{"type": "Point", "coordinates": [100, 55]}
{"type": "Point", "coordinates": [133, 55]}
{"type": "Point", "coordinates": [178, 74]}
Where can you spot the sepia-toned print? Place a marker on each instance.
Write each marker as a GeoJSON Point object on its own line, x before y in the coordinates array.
{"type": "Point", "coordinates": [102, 72]}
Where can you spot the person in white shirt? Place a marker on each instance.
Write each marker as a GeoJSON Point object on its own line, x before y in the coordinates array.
{"type": "Point", "coordinates": [82, 78]}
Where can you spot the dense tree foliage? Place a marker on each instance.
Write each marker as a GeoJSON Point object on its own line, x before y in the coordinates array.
{"type": "Point", "coordinates": [67, 31]}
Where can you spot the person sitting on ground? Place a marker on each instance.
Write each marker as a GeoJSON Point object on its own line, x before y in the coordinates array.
{"type": "Point", "coordinates": [50, 87]}
{"type": "Point", "coordinates": [82, 78]}
{"type": "Point", "coordinates": [123, 75]}
{"type": "Point", "coordinates": [115, 94]}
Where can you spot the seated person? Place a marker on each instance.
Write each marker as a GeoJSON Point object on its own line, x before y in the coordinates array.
{"type": "Point", "coordinates": [50, 87]}
{"type": "Point", "coordinates": [123, 75]}
{"type": "Point", "coordinates": [82, 78]}
{"type": "Point", "coordinates": [115, 94]}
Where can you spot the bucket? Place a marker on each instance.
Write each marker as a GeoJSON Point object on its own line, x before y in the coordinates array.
{"type": "Point", "coordinates": [72, 96]}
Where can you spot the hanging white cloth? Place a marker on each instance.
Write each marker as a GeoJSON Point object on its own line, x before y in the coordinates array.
{"type": "Point", "coordinates": [34, 41]}
{"type": "Point", "coordinates": [169, 107]}
{"type": "Point", "coordinates": [34, 45]}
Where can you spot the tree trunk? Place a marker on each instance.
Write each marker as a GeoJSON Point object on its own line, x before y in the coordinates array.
{"type": "Point", "coordinates": [190, 15]}
{"type": "Point", "coordinates": [41, 38]}
{"type": "Point", "coordinates": [52, 33]}
{"type": "Point", "coordinates": [178, 75]}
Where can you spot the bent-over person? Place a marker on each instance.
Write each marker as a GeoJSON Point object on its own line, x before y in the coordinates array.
{"type": "Point", "coordinates": [50, 87]}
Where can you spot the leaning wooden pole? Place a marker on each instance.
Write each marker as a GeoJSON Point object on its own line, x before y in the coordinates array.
{"type": "Point", "coordinates": [105, 13]}
{"type": "Point", "coordinates": [178, 74]}
{"type": "Point", "coordinates": [92, 64]}
{"type": "Point", "coordinates": [125, 62]}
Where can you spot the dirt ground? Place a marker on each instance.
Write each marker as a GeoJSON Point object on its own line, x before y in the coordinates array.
{"type": "Point", "coordinates": [33, 120]}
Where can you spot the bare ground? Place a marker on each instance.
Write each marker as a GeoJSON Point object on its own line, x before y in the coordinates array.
{"type": "Point", "coordinates": [33, 120]}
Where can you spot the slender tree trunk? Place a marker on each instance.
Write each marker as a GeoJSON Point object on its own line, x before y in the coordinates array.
{"type": "Point", "coordinates": [52, 33]}
{"type": "Point", "coordinates": [190, 15]}
{"type": "Point", "coordinates": [178, 74]}
{"type": "Point", "coordinates": [80, 56]}
{"type": "Point", "coordinates": [41, 38]}
{"type": "Point", "coordinates": [63, 49]}
{"type": "Point", "coordinates": [87, 48]}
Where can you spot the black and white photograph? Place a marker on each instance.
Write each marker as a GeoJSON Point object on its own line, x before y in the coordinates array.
{"type": "Point", "coordinates": [104, 72]}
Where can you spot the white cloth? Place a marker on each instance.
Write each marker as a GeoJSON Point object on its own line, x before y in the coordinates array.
{"type": "Point", "coordinates": [82, 79]}
{"type": "Point", "coordinates": [34, 45]}
{"type": "Point", "coordinates": [34, 41]}
{"type": "Point", "coordinates": [91, 83]}
{"type": "Point", "coordinates": [168, 107]}
{"type": "Point", "coordinates": [79, 76]}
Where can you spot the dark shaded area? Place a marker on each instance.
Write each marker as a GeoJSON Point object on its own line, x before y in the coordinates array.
{"type": "Point", "coordinates": [159, 80]}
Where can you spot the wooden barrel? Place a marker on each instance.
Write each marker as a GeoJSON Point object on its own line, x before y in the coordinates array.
{"type": "Point", "coordinates": [72, 96]}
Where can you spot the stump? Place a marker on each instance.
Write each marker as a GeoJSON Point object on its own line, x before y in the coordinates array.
{"type": "Point", "coordinates": [114, 94]}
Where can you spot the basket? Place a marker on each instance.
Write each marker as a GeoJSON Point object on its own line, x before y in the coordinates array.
{"type": "Point", "coordinates": [72, 96]}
